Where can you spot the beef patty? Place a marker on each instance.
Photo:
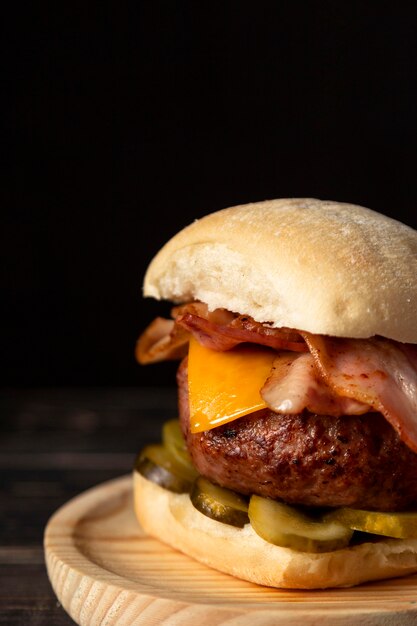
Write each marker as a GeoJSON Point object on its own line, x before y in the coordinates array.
{"type": "Point", "coordinates": [306, 459]}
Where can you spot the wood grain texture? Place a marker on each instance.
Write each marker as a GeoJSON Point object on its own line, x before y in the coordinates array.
{"type": "Point", "coordinates": [106, 572]}
{"type": "Point", "coordinates": [55, 444]}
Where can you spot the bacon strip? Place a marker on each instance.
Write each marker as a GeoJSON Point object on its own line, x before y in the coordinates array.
{"type": "Point", "coordinates": [162, 340]}
{"type": "Point", "coordinates": [337, 377]}
{"type": "Point", "coordinates": [219, 330]}
{"type": "Point", "coordinates": [294, 385]}
{"type": "Point", "coordinates": [241, 330]}
{"type": "Point", "coordinates": [377, 371]}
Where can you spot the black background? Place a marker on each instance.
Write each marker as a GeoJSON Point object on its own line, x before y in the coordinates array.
{"type": "Point", "coordinates": [123, 123]}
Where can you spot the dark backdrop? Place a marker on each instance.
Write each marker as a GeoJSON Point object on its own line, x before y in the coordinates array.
{"type": "Point", "coordinates": [124, 123]}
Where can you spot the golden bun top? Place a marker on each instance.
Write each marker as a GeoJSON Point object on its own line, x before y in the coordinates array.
{"type": "Point", "coordinates": [325, 267]}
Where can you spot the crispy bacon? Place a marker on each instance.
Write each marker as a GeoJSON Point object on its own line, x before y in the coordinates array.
{"type": "Point", "coordinates": [162, 340]}
{"type": "Point", "coordinates": [241, 330]}
{"type": "Point", "coordinates": [196, 308]}
{"type": "Point", "coordinates": [219, 330]}
{"type": "Point", "coordinates": [294, 385]}
{"type": "Point", "coordinates": [377, 371]}
{"type": "Point", "coordinates": [335, 376]}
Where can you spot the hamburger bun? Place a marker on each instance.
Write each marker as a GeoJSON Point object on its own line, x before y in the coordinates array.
{"type": "Point", "coordinates": [323, 267]}
{"type": "Point", "coordinates": [172, 519]}
{"type": "Point", "coordinates": [318, 267]}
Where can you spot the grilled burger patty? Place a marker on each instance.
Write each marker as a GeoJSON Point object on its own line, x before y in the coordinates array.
{"type": "Point", "coordinates": [306, 459]}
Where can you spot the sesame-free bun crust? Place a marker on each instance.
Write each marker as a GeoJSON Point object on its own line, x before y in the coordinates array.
{"type": "Point", "coordinates": [240, 552]}
{"type": "Point", "coordinates": [324, 267]}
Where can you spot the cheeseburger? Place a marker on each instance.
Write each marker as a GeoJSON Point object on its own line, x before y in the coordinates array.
{"type": "Point", "coordinates": [294, 459]}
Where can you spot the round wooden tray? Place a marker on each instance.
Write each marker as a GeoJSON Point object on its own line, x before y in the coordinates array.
{"type": "Point", "coordinates": [106, 571]}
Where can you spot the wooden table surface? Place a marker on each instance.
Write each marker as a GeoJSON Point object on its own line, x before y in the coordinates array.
{"type": "Point", "coordinates": [54, 444]}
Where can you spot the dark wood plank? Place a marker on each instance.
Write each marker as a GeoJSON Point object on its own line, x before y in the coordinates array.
{"type": "Point", "coordinates": [54, 444]}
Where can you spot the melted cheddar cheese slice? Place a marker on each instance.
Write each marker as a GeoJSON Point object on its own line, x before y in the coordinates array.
{"type": "Point", "coordinates": [225, 385]}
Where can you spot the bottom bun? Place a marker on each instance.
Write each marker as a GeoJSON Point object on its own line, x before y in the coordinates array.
{"type": "Point", "coordinates": [240, 552]}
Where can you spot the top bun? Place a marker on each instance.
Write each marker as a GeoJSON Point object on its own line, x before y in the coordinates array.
{"type": "Point", "coordinates": [325, 267]}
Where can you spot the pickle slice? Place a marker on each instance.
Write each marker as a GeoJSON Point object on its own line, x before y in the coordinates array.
{"type": "Point", "coordinates": [156, 464]}
{"type": "Point", "coordinates": [401, 525]}
{"type": "Point", "coordinates": [174, 442]}
{"type": "Point", "coordinates": [286, 526]}
{"type": "Point", "coordinates": [218, 503]}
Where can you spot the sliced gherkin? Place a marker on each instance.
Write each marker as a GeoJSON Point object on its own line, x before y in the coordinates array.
{"type": "Point", "coordinates": [157, 464]}
{"type": "Point", "coordinates": [173, 441]}
{"type": "Point", "coordinates": [286, 526]}
{"type": "Point", "coordinates": [402, 525]}
{"type": "Point", "coordinates": [218, 503]}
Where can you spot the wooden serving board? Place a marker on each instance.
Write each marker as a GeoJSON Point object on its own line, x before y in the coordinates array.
{"type": "Point", "coordinates": [106, 571]}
